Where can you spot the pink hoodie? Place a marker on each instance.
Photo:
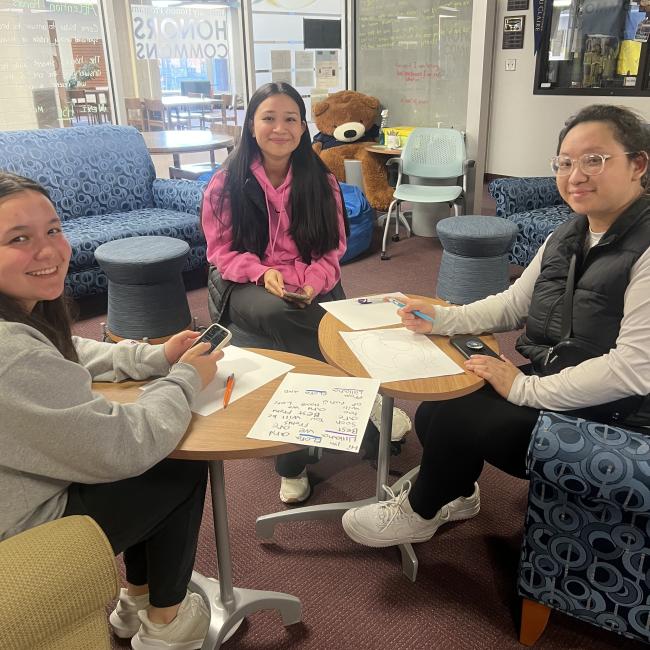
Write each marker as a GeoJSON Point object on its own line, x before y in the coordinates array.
{"type": "Point", "coordinates": [281, 253]}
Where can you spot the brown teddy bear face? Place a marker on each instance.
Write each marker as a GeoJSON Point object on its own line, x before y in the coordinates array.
{"type": "Point", "coordinates": [346, 115]}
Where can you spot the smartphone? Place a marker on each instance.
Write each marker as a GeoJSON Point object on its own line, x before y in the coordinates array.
{"type": "Point", "coordinates": [468, 344]}
{"type": "Point", "coordinates": [216, 335]}
{"type": "Point", "coordinates": [300, 297]}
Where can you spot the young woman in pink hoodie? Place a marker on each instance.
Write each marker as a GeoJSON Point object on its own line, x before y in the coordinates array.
{"type": "Point", "coordinates": [275, 222]}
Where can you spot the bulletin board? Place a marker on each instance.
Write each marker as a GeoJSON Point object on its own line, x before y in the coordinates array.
{"type": "Point", "coordinates": [413, 55]}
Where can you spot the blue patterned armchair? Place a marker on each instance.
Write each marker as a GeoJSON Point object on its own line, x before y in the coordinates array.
{"type": "Point", "coordinates": [586, 548]}
{"type": "Point", "coordinates": [103, 184]}
{"type": "Point", "coordinates": [535, 205]}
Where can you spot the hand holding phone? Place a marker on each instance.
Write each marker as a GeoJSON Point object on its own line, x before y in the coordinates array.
{"type": "Point", "coordinates": [468, 344]}
{"type": "Point", "coordinates": [216, 335]}
{"type": "Point", "coordinates": [298, 297]}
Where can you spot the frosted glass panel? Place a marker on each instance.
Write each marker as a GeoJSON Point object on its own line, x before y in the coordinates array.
{"type": "Point", "coordinates": [279, 47]}
{"type": "Point", "coordinates": [413, 55]}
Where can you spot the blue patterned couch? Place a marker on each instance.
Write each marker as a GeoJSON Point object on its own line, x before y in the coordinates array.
{"type": "Point", "coordinates": [535, 205]}
{"type": "Point", "coordinates": [586, 547]}
{"type": "Point", "coordinates": [103, 184]}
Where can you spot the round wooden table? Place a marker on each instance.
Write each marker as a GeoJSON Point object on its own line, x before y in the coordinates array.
{"type": "Point", "coordinates": [384, 150]}
{"type": "Point", "coordinates": [338, 354]}
{"type": "Point", "coordinates": [215, 438]}
{"type": "Point", "coordinates": [188, 141]}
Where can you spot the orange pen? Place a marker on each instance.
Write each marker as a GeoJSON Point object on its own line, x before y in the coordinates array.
{"type": "Point", "coordinates": [230, 384]}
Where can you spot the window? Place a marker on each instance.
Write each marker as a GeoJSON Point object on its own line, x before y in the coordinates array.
{"type": "Point", "coordinates": [594, 47]}
{"type": "Point", "coordinates": [53, 65]}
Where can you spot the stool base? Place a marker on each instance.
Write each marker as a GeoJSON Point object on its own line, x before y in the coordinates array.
{"type": "Point", "coordinates": [110, 337]}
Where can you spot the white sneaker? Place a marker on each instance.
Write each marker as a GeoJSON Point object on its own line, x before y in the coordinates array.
{"type": "Point", "coordinates": [296, 489]}
{"type": "Point", "coordinates": [401, 422]}
{"type": "Point", "coordinates": [465, 507]}
{"type": "Point", "coordinates": [185, 632]}
{"type": "Point", "coordinates": [392, 522]}
{"type": "Point", "coordinates": [124, 618]}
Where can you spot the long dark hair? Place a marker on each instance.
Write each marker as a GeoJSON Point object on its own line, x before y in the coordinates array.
{"type": "Point", "coordinates": [314, 226]}
{"type": "Point", "coordinates": [630, 130]}
{"type": "Point", "coordinates": [50, 317]}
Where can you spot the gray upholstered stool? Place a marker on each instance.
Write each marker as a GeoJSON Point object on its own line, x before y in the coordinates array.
{"type": "Point", "coordinates": [146, 295]}
{"type": "Point", "coordinates": [475, 257]}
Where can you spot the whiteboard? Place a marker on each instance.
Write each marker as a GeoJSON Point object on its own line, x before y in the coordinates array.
{"type": "Point", "coordinates": [413, 55]}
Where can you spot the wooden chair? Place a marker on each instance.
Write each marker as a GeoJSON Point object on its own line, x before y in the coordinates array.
{"type": "Point", "coordinates": [98, 105]}
{"type": "Point", "coordinates": [228, 129]}
{"type": "Point", "coordinates": [135, 113]}
{"type": "Point", "coordinates": [154, 115]}
{"type": "Point", "coordinates": [196, 113]}
{"type": "Point", "coordinates": [77, 97]}
{"type": "Point", "coordinates": [193, 171]}
{"type": "Point", "coordinates": [221, 115]}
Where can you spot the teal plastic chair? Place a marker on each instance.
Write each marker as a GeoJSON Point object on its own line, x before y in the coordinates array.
{"type": "Point", "coordinates": [432, 154]}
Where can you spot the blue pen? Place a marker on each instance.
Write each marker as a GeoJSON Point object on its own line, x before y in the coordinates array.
{"type": "Point", "coordinates": [419, 314]}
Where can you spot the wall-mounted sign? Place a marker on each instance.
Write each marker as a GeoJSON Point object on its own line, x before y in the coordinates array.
{"type": "Point", "coordinates": [513, 32]}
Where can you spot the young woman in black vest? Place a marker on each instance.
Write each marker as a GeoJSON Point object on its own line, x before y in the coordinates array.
{"type": "Point", "coordinates": [276, 226]}
{"type": "Point", "coordinates": [601, 168]}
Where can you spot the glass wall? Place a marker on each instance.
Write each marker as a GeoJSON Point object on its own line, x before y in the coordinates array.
{"type": "Point", "coordinates": [301, 42]}
{"type": "Point", "coordinates": [53, 66]}
{"type": "Point", "coordinates": [188, 42]}
{"type": "Point", "coordinates": [421, 47]}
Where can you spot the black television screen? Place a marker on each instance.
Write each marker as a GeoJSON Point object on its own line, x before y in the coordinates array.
{"type": "Point", "coordinates": [321, 34]}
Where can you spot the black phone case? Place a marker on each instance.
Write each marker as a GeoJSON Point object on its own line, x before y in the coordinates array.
{"type": "Point", "coordinates": [460, 343]}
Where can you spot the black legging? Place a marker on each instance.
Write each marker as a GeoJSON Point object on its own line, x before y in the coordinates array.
{"type": "Point", "coordinates": [154, 519]}
{"type": "Point", "coordinates": [458, 436]}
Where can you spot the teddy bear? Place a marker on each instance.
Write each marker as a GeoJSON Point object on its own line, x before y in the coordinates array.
{"type": "Point", "coordinates": [346, 124]}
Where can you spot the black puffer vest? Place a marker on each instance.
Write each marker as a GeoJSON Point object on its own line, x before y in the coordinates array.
{"type": "Point", "coordinates": [602, 276]}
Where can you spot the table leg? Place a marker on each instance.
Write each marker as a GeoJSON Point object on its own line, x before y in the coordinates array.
{"type": "Point", "coordinates": [177, 160]}
{"type": "Point", "coordinates": [230, 605]}
{"type": "Point", "coordinates": [265, 525]}
{"type": "Point", "coordinates": [213, 162]}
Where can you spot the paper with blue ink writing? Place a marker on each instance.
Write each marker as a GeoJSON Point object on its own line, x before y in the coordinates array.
{"type": "Point", "coordinates": [316, 410]}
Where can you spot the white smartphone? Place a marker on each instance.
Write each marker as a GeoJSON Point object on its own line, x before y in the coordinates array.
{"type": "Point", "coordinates": [216, 335]}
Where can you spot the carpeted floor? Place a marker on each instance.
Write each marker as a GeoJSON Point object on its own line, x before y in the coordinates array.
{"type": "Point", "coordinates": [355, 597]}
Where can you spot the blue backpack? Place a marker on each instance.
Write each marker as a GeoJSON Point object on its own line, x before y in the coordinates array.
{"type": "Point", "coordinates": [362, 221]}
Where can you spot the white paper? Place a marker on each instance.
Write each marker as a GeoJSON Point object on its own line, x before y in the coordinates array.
{"type": "Point", "coordinates": [359, 316]}
{"type": "Point", "coordinates": [251, 371]}
{"type": "Point", "coordinates": [280, 59]}
{"type": "Point", "coordinates": [320, 411]}
{"type": "Point", "coordinates": [398, 354]}
{"type": "Point", "coordinates": [304, 59]}
{"type": "Point", "coordinates": [304, 78]}
{"type": "Point", "coordinates": [281, 76]}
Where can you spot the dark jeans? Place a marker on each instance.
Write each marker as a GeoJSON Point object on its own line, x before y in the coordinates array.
{"type": "Point", "coordinates": [154, 519]}
{"type": "Point", "coordinates": [293, 329]}
{"type": "Point", "coordinates": [458, 436]}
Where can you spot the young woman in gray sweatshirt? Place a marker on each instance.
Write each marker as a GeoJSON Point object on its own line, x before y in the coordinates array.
{"type": "Point", "coordinates": [67, 450]}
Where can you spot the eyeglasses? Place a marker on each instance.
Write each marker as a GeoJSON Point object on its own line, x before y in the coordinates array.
{"type": "Point", "coordinates": [590, 164]}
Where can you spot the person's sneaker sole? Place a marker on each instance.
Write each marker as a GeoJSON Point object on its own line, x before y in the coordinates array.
{"type": "Point", "coordinates": [148, 644]}
{"type": "Point", "coordinates": [360, 538]}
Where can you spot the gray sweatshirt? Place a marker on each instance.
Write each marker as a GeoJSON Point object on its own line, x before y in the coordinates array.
{"type": "Point", "coordinates": [54, 430]}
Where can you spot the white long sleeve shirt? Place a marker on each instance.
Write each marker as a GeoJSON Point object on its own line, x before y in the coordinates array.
{"type": "Point", "coordinates": [623, 371]}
